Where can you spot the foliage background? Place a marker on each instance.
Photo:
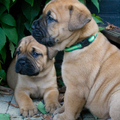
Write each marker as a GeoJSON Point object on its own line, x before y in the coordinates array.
{"type": "Point", "coordinates": [16, 17]}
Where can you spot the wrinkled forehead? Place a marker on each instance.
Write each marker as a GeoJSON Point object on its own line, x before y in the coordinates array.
{"type": "Point", "coordinates": [60, 6]}
{"type": "Point", "coordinates": [28, 43]}
{"type": "Point", "coordinates": [56, 7]}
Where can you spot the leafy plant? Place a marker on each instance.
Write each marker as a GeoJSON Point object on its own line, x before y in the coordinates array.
{"type": "Point", "coordinates": [16, 17]}
{"type": "Point", "coordinates": [7, 32]}
{"type": "Point", "coordinates": [96, 4]}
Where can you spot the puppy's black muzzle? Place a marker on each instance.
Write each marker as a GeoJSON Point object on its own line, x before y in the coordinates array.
{"type": "Point", "coordinates": [25, 67]}
{"type": "Point", "coordinates": [40, 33]}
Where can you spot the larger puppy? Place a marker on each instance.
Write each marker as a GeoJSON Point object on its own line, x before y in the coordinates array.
{"type": "Point", "coordinates": [35, 77]}
{"type": "Point", "coordinates": [91, 65]}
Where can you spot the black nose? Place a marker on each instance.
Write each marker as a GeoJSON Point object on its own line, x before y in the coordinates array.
{"type": "Point", "coordinates": [22, 62]}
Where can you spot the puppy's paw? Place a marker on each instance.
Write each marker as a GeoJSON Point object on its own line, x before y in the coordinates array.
{"type": "Point", "coordinates": [59, 117]}
{"type": "Point", "coordinates": [28, 111]}
{"type": "Point", "coordinates": [63, 116]}
{"type": "Point", "coordinates": [51, 107]}
{"type": "Point", "coordinates": [59, 110]}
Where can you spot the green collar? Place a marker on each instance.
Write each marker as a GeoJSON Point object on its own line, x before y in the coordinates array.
{"type": "Point", "coordinates": [81, 44]}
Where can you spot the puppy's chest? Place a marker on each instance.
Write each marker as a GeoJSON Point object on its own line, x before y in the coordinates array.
{"type": "Point", "coordinates": [36, 91]}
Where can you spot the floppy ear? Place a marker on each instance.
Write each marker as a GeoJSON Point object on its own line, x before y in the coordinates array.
{"type": "Point", "coordinates": [51, 53]}
{"type": "Point", "coordinates": [78, 18]}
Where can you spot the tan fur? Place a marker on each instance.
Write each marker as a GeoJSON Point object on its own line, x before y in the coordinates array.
{"type": "Point", "coordinates": [42, 85]}
{"type": "Point", "coordinates": [91, 74]}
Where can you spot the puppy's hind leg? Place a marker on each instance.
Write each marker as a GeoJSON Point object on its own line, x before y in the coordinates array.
{"type": "Point", "coordinates": [115, 107]}
{"type": "Point", "coordinates": [72, 106]}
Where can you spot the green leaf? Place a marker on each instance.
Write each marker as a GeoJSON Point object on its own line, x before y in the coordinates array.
{"type": "Point", "coordinates": [6, 3]}
{"type": "Point", "coordinates": [12, 48]}
{"type": "Point", "coordinates": [13, 0]}
{"type": "Point", "coordinates": [47, 1]}
{"type": "Point", "coordinates": [4, 116]}
{"type": "Point", "coordinates": [3, 76]}
{"type": "Point", "coordinates": [2, 38]}
{"type": "Point", "coordinates": [28, 26]}
{"type": "Point", "coordinates": [8, 19]}
{"type": "Point", "coordinates": [96, 3]}
{"type": "Point", "coordinates": [2, 9]}
{"type": "Point", "coordinates": [31, 12]}
{"type": "Point", "coordinates": [97, 18]}
{"type": "Point", "coordinates": [60, 83]}
{"type": "Point", "coordinates": [101, 28]}
{"type": "Point", "coordinates": [11, 33]}
{"type": "Point", "coordinates": [1, 62]}
{"type": "Point", "coordinates": [41, 107]}
{"type": "Point", "coordinates": [83, 1]}
{"type": "Point", "coordinates": [1, 71]}
{"type": "Point", "coordinates": [31, 2]}
{"type": "Point", "coordinates": [3, 54]}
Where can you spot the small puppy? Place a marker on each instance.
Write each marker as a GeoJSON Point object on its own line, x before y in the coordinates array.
{"type": "Point", "coordinates": [35, 77]}
{"type": "Point", "coordinates": [91, 64]}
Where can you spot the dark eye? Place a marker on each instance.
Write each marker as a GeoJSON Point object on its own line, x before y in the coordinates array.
{"type": "Point", "coordinates": [50, 18]}
{"type": "Point", "coordinates": [35, 54]}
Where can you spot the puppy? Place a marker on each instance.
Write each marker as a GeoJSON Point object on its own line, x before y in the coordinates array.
{"type": "Point", "coordinates": [32, 74]}
{"type": "Point", "coordinates": [91, 64]}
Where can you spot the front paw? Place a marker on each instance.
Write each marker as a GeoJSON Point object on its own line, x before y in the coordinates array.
{"type": "Point", "coordinates": [63, 116]}
{"type": "Point", "coordinates": [59, 110]}
{"type": "Point", "coordinates": [51, 107]}
{"type": "Point", "coordinates": [59, 117]}
{"type": "Point", "coordinates": [28, 110]}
